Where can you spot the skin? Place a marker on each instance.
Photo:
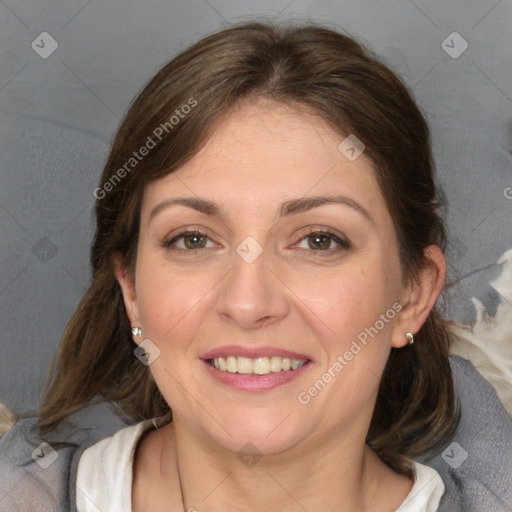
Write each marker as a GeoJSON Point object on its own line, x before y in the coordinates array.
{"type": "Point", "coordinates": [292, 296]}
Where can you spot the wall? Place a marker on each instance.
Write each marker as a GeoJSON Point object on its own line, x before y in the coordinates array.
{"type": "Point", "coordinates": [60, 110]}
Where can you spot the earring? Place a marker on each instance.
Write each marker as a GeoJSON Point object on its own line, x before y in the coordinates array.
{"type": "Point", "coordinates": [410, 337]}
{"type": "Point", "coordinates": [136, 331]}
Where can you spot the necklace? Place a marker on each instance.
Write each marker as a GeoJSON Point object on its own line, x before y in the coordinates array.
{"type": "Point", "coordinates": [165, 441]}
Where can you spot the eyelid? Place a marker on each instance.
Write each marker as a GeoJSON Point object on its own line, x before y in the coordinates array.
{"type": "Point", "coordinates": [343, 243]}
{"type": "Point", "coordinates": [184, 231]}
{"type": "Point", "coordinates": [340, 239]}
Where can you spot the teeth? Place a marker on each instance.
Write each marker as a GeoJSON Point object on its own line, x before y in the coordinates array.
{"type": "Point", "coordinates": [258, 366]}
{"type": "Point", "coordinates": [231, 364]}
{"type": "Point", "coordinates": [276, 364]}
{"type": "Point", "coordinates": [244, 364]}
{"type": "Point", "coordinates": [261, 366]}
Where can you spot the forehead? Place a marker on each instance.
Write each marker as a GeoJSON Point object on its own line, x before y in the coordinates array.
{"type": "Point", "coordinates": [264, 153]}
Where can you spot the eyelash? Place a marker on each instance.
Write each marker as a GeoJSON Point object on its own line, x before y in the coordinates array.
{"type": "Point", "coordinates": [168, 243]}
{"type": "Point", "coordinates": [343, 243]}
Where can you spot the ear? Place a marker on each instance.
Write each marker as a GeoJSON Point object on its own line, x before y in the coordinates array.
{"type": "Point", "coordinates": [125, 278]}
{"type": "Point", "coordinates": [420, 296]}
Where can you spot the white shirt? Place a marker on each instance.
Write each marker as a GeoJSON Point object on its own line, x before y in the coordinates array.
{"type": "Point", "coordinates": [104, 479]}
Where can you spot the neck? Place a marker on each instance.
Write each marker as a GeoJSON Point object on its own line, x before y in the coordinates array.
{"type": "Point", "coordinates": [340, 475]}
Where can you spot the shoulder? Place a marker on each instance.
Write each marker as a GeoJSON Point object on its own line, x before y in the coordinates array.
{"type": "Point", "coordinates": [118, 447]}
{"type": "Point", "coordinates": [38, 472]}
{"type": "Point", "coordinates": [426, 492]}
{"type": "Point", "coordinates": [24, 482]}
{"type": "Point", "coordinates": [105, 470]}
{"type": "Point", "coordinates": [35, 471]}
{"type": "Point", "coordinates": [476, 466]}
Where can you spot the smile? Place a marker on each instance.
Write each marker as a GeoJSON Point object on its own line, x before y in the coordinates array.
{"type": "Point", "coordinates": [257, 366]}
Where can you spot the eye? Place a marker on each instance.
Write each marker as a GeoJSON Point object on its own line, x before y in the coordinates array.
{"type": "Point", "coordinates": [189, 240]}
{"type": "Point", "coordinates": [323, 241]}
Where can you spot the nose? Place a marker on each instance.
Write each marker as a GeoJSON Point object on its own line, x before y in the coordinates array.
{"type": "Point", "coordinates": [252, 296]}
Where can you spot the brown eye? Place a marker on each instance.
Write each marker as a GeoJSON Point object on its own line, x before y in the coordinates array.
{"type": "Point", "coordinates": [319, 241]}
{"type": "Point", "coordinates": [323, 241]}
{"type": "Point", "coordinates": [189, 240]}
{"type": "Point", "coordinates": [194, 241]}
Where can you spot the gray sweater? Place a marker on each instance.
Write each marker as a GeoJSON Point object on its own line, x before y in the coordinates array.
{"type": "Point", "coordinates": [476, 465]}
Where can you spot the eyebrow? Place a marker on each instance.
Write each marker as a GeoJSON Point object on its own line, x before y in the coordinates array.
{"type": "Point", "coordinates": [292, 207]}
{"type": "Point", "coordinates": [305, 204]}
{"type": "Point", "coordinates": [201, 205]}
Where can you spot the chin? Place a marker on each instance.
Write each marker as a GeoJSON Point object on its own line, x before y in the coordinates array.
{"type": "Point", "coordinates": [252, 433]}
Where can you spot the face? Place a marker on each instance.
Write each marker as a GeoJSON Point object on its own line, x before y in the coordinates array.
{"type": "Point", "coordinates": [269, 248]}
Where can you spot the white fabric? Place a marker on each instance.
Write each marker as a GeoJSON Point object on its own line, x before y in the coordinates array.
{"type": "Point", "coordinates": [104, 477]}
{"type": "Point", "coordinates": [104, 480]}
{"type": "Point", "coordinates": [426, 492]}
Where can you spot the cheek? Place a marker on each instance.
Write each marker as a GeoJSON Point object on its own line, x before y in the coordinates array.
{"type": "Point", "coordinates": [344, 311]}
{"type": "Point", "coordinates": [172, 307]}
{"type": "Point", "coordinates": [345, 301]}
{"type": "Point", "coordinates": [351, 313]}
{"type": "Point", "coordinates": [170, 299]}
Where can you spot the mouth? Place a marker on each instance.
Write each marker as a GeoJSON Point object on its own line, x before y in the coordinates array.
{"type": "Point", "coordinates": [256, 366]}
{"type": "Point", "coordinates": [254, 369]}
{"type": "Point", "coordinates": [266, 380]}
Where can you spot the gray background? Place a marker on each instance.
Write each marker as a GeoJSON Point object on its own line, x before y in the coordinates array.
{"type": "Point", "coordinates": [58, 116]}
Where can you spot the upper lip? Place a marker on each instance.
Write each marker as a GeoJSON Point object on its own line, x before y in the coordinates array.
{"type": "Point", "coordinates": [251, 352]}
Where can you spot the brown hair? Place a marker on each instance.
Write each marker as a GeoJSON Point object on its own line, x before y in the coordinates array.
{"type": "Point", "coordinates": [343, 83]}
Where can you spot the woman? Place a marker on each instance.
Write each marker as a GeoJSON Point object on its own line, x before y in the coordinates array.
{"type": "Point", "coordinates": [267, 260]}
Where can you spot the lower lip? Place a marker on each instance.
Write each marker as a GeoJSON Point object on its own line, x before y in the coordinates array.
{"type": "Point", "coordinates": [246, 382]}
